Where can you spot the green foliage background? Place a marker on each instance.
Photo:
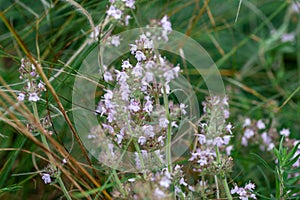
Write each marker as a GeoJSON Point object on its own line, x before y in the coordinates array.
{"type": "Point", "coordinates": [261, 73]}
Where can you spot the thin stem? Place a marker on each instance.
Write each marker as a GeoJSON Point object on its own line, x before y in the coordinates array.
{"type": "Point", "coordinates": [202, 187]}
{"type": "Point", "coordinates": [51, 159]}
{"type": "Point", "coordinates": [119, 182]}
{"type": "Point", "coordinates": [223, 176]}
{"type": "Point", "coordinates": [217, 186]}
{"type": "Point", "coordinates": [227, 190]}
{"type": "Point", "coordinates": [137, 148]}
{"type": "Point", "coordinates": [169, 133]}
{"type": "Point", "coordinates": [43, 137]}
{"type": "Point", "coordinates": [63, 187]}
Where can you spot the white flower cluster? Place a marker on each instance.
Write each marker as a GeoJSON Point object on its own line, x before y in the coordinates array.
{"type": "Point", "coordinates": [162, 181]}
{"type": "Point", "coordinates": [257, 131]}
{"type": "Point", "coordinates": [116, 12]}
{"type": "Point", "coordinates": [133, 107]}
{"type": "Point", "coordinates": [118, 8]}
{"type": "Point", "coordinates": [214, 132]}
{"type": "Point", "coordinates": [33, 87]}
{"type": "Point", "coordinates": [244, 193]}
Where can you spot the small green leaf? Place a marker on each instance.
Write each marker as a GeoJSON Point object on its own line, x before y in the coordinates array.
{"type": "Point", "coordinates": [291, 162]}
{"type": "Point", "coordinates": [276, 152]}
{"type": "Point", "coordinates": [11, 188]}
{"type": "Point", "coordinates": [292, 171]}
{"type": "Point", "coordinates": [293, 151]}
{"type": "Point", "coordinates": [293, 186]}
{"type": "Point", "coordinates": [262, 161]}
{"type": "Point", "coordinates": [293, 180]}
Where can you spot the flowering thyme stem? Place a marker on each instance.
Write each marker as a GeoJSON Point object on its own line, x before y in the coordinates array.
{"type": "Point", "coordinates": [169, 134]}
{"type": "Point", "coordinates": [51, 160]}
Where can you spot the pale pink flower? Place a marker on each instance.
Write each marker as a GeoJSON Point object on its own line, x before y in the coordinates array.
{"type": "Point", "coordinates": [150, 64]}
{"type": "Point", "coordinates": [121, 77]}
{"type": "Point", "coordinates": [173, 124]}
{"type": "Point", "coordinates": [182, 108]}
{"type": "Point", "coordinates": [115, 40]}
{"type": "Point", "coordinates": [133, 48]}
{"type": "Point", "coordinates": [101, 109]}
{"type": "Point", "coordinates": [285, 132]}
{"type": "Point", "coordinates": [33, 97]}
{"type": "Point", "coordinates": [64, 161]}
{"type": "Point", "coordinates": [149, 77]}
{"type": "Point", "coordinates": [244, 141]}
{"type": "Point", "coordinates": [182, 182]}
{"type": "Point", "coordinates": [129, 3]}
{"type": "Point", "coordinates": [111, 149]}
{"type": "Point", "coordinates": [229, 149]}
{"type": "Point", "coordinates": [148, 105]}
{"type": "Point", "coordinates": [288, 37]}
{"type": "Point", "coordinates": [142, 140]}
{"type": "Point", "coordinates": [247, 122]}
{"type": "Point", "coordinates": [159, 193]}
{"type": "Point", "coordinates": [267, 141]}
{"type": "Point", "coordinates": [218, 141]}
{"type": "Point", "coordinates": [260, 124]}
{"type": "Point", "coordinates": [202, 161]}
{"type": "Point", "coordinates": [46, 178]}
{"type": "Point", "coordinates": [107, 76]}
{"type": "Point", "coordinates": [21, 97]}
{"type": "Point", "coordinates": [250, 186]}
{"type": "Point", "coordinates": [108, 95]}
{"type": "Point", "coordinates": [148, 130]}
{"type": "Point", "coordinates": [296, 7]}
{"type": "Point", "coordinates": [108, 127]}
{"type": "Point", "coordinates": [226, 113]}
{"type": "Point", "coordinates": [148, 44]}
{"type": "Point", "coordinates": [41, 86]}
{"type": "Point", "coordinates": [226, 139]}
{"type": "Point", "coordinates": [160, 139]}
{"type": "Point", "coordinates": [166, 24]}
{"type": "Point", "coordinates": [228, 128]}
{"type": "Point", "coordinates": [248, 133]}
{"type": "Point", "coordinates": [140, 56]}
{"type": "Point", "coordinates": [134, 106]}
{"type": "Point", "coordinates": [163, 122]}
{"type": "Point", "coordinates": [114, 12]}
{"type": "Point", "coordinates": [125, 91]}
{"type": "Point", "coordinates": [126, 64]}
{"type": "Point", "coordinates": [137, 71]}
{"type": "Point", "coordinates": [165, 182]}
{"type": "Point", "coordinates": [201, 138]}
{"type": "Point", "coordinates": [119, 138]}
{"type": "Point", "coordinates": [270, 146]}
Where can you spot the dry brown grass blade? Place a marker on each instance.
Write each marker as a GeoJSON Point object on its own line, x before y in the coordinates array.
{"type": "Point", "coordinates": [211, 17]}
{"type": "Point", "coordinates": [15, 123]}
{"type": "Point", "coordinates": [60, 106]}
{"type": "Point", "coordinates": [196, 19]}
